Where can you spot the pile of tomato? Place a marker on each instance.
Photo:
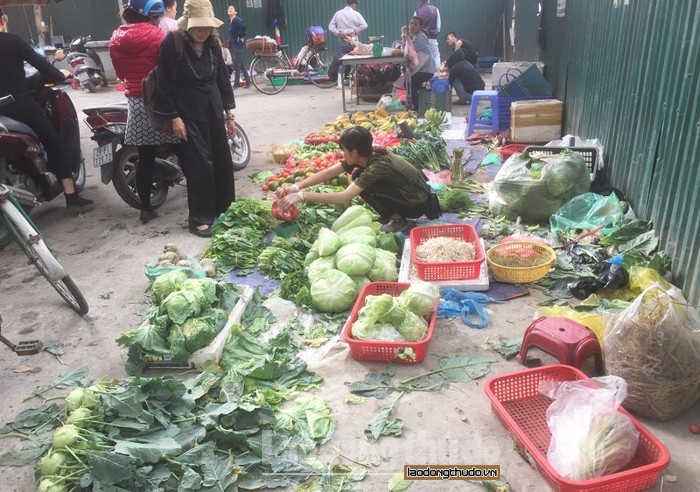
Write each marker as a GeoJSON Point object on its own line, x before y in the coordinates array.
{"type": "Point", "coordinates": [305, 168]}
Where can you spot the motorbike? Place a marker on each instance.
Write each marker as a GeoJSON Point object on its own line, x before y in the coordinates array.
{"type": "Point", "coordinates": [86, 64]}
{"type": "Point", "coordinates": [23, 161]}
{"type": "Point", "coordinates": [118, 162]}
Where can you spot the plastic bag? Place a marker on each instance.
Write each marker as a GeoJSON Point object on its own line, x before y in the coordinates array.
{"type": "Point", "coordinates": [194, 271]}
{"type": "Point", "coordinates": [590, 437]}
{"type": "Point", "coordinates": [654, 345]}
{"type": "Point", "coordinates": [536, 188]}
{"type": "Point", "coordinates": [591, 320]}
{"type": "Point", "coordinates": [575, 141]}
{"type": "Point", "coordinates": [466, 305]}
{"type": "Point", "coordinates": [588, 211]}
{"type": "Point", "coordinates": [608, 275]}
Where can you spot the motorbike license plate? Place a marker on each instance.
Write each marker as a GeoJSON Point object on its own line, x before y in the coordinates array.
{"type": "Point", "coordinates": [103, 155]}
{"type": "Point", "coordinates": [82, 76]}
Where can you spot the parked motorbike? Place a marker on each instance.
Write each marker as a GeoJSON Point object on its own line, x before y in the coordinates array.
{"type": "Point", "coordinates": [23, 162]}
{"type": "Point", "coordinates": [86, 64]}
{"type": "Point", "coordinates": [118, 162]}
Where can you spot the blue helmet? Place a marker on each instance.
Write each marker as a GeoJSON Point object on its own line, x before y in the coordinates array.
{"type": "Point", "coordinates": [148, 8]}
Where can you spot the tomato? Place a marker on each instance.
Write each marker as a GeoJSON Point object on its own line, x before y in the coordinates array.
{"type": "Point", "coordinates": [286, 215]}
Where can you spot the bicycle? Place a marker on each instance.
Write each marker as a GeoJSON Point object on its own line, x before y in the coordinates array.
{"type": "Point", "coordinates": [18, 224]}
{"type": "Point", "coordinates": [270, 70]}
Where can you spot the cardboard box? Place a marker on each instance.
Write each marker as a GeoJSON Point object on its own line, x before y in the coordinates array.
{"type": "Point", "coordinates": [215, 349]}
{"type": "Point", "coordinates": [536, 121]}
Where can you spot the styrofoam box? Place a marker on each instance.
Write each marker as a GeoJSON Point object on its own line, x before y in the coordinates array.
{"type": "Point", "coordinates": [499, 69]}
{"type": "Point", "coordinates": [215, 349]}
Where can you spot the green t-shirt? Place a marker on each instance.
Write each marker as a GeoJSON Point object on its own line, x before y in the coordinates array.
{"type": "Point", "coordinates": [396, 172]}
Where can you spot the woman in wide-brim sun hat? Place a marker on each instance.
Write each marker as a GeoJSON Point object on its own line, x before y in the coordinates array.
{"type": "Point", "coordinates": [198, 13]}
{"type": "Point", "coordinates": [194, 90]}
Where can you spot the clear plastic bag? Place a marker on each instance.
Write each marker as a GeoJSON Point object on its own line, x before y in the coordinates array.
{"type": "Point", "coordinates": [590, 437]}
{"type": "Point", "coordinates": [654, 345]}
{"type": "Point", "coordinates": [536, 188]}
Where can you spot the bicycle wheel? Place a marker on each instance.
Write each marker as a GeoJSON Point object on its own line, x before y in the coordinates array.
{"type": "Point", "coordinates": [268, 74]}
{"type": "Point", "coordinates": [319, 65]}
{"type": "Point", "coordinates": [40, 256]}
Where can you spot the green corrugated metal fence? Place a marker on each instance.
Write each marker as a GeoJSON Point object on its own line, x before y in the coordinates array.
{"type": "Point", "coordinates": [627, 72]}
{"type": "Point", "coordinates": [477, 20]}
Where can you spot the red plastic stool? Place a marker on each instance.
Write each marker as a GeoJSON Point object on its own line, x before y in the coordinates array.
{"type": "Point", "coordinates": [570, 342]}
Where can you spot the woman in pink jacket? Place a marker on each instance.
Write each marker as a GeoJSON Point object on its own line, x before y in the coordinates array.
{"type": "Point", "coordinates": [134, 51]}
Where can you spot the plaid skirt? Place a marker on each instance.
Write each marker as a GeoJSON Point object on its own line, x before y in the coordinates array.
{"type": "Point", "coordinates": [139, 130]}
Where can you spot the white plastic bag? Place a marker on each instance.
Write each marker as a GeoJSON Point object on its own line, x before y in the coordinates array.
{"type": "Point", "coordinates": [590, 437]}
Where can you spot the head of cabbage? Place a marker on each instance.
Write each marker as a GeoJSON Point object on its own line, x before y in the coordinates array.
{"type": "Point", "coordinates": [328, 242]}
{"type": "Point", "coordinates": [383, 308]}
{"type": "Point", "coordinates": [413, 327]}
{"type": "Point", "coordinates": [332, 291]}
{"type": "Point", "coordinates": [384, 268]}
{"type": "Point", "coordinates": [420, 298]}
{"type": "Point", "coordinates": [366, 329]}
{"type": "Point", "coordinates": [355, 259]}
{"type": "Point", "coordinates": [317, 267]}
{"type": "Point", "coordinates": [169, 282]}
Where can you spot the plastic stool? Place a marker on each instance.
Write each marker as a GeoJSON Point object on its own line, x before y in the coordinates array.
{"type": "Point", "coordinates": [570, 342]}
{"type": "Point", "coordinates": [487, 125]}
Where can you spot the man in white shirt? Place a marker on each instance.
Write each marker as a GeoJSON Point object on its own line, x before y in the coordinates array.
{"type": "Point", "coordinates": [347, 23]}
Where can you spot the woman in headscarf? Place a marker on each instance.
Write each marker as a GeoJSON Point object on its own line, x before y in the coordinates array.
{"type": "Point", "coordinates": [193, 90]}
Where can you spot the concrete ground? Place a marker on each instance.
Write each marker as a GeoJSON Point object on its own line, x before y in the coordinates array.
{"type": "Point", "coordinates": [105, 251]}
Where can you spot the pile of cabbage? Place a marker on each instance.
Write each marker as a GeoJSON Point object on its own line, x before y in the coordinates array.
{"type": "Point", "coordinates": [185, 315]}
{"type": "Point", "coordinates": [346, 257]}
{"type": "Point", "coordinates": [397, 319]}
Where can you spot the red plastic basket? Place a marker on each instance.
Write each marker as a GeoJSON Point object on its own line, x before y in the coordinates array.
{"type": "Point", "coordinates": [384, 351]}
{"type": "Point", "coordinates": [447, 271]}
{"type": "Point", "coordinates": [522, 410]}
{"type": "Point", "coordinates": [508, 150]}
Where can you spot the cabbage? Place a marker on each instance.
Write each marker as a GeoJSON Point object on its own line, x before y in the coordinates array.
{"type": "Point", "coordinates": [420, 298]}
{"type": "Point", "coordinates": [362, 220]}
{"type": "Point", "coordinates": [181, 305]}
{"type": "Point", "coordinates": [355, 259]}
{"type": "Point", "coordinates": [384, 268]}
{"type": "Point", "coordinates": [332, 292]}
{"type": "Point", "coordinates": [360, 282]}
{"type": "Point", "coordinates": [414, 328]}
{"type": "Point", "coordinates": [357, 231]}
{"type": "Point", "coordinates": [350, 214]}
{"type": "Point", "coordinates": [366, 329]}
{"type": "Point", "coordinates": [567, 175]}
{"type": "Point", "coordinates": [176, 339]}
{"type": "Point", "coordinates": [312, 255]}
{"type": "Point", "coordinates": [363, 239]}
{"type": "Point", "coordinates": [384, 308]}
{"type": "Point", "coordinates": [167, 283]}
{"type": "Point", "coordinates": [199, 332]}
{"type": "Point", "coordinates": [203, 288]}
{"type": "Point", "coordinates": [387, 242]}
{"type": "Point", "coordinates": [328, 242]}
{"type": "Point", "coordinates": [319, 266]}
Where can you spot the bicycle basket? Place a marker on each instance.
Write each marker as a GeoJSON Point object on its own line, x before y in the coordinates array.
{"type": "Point", "coordinates": [316, 36]}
